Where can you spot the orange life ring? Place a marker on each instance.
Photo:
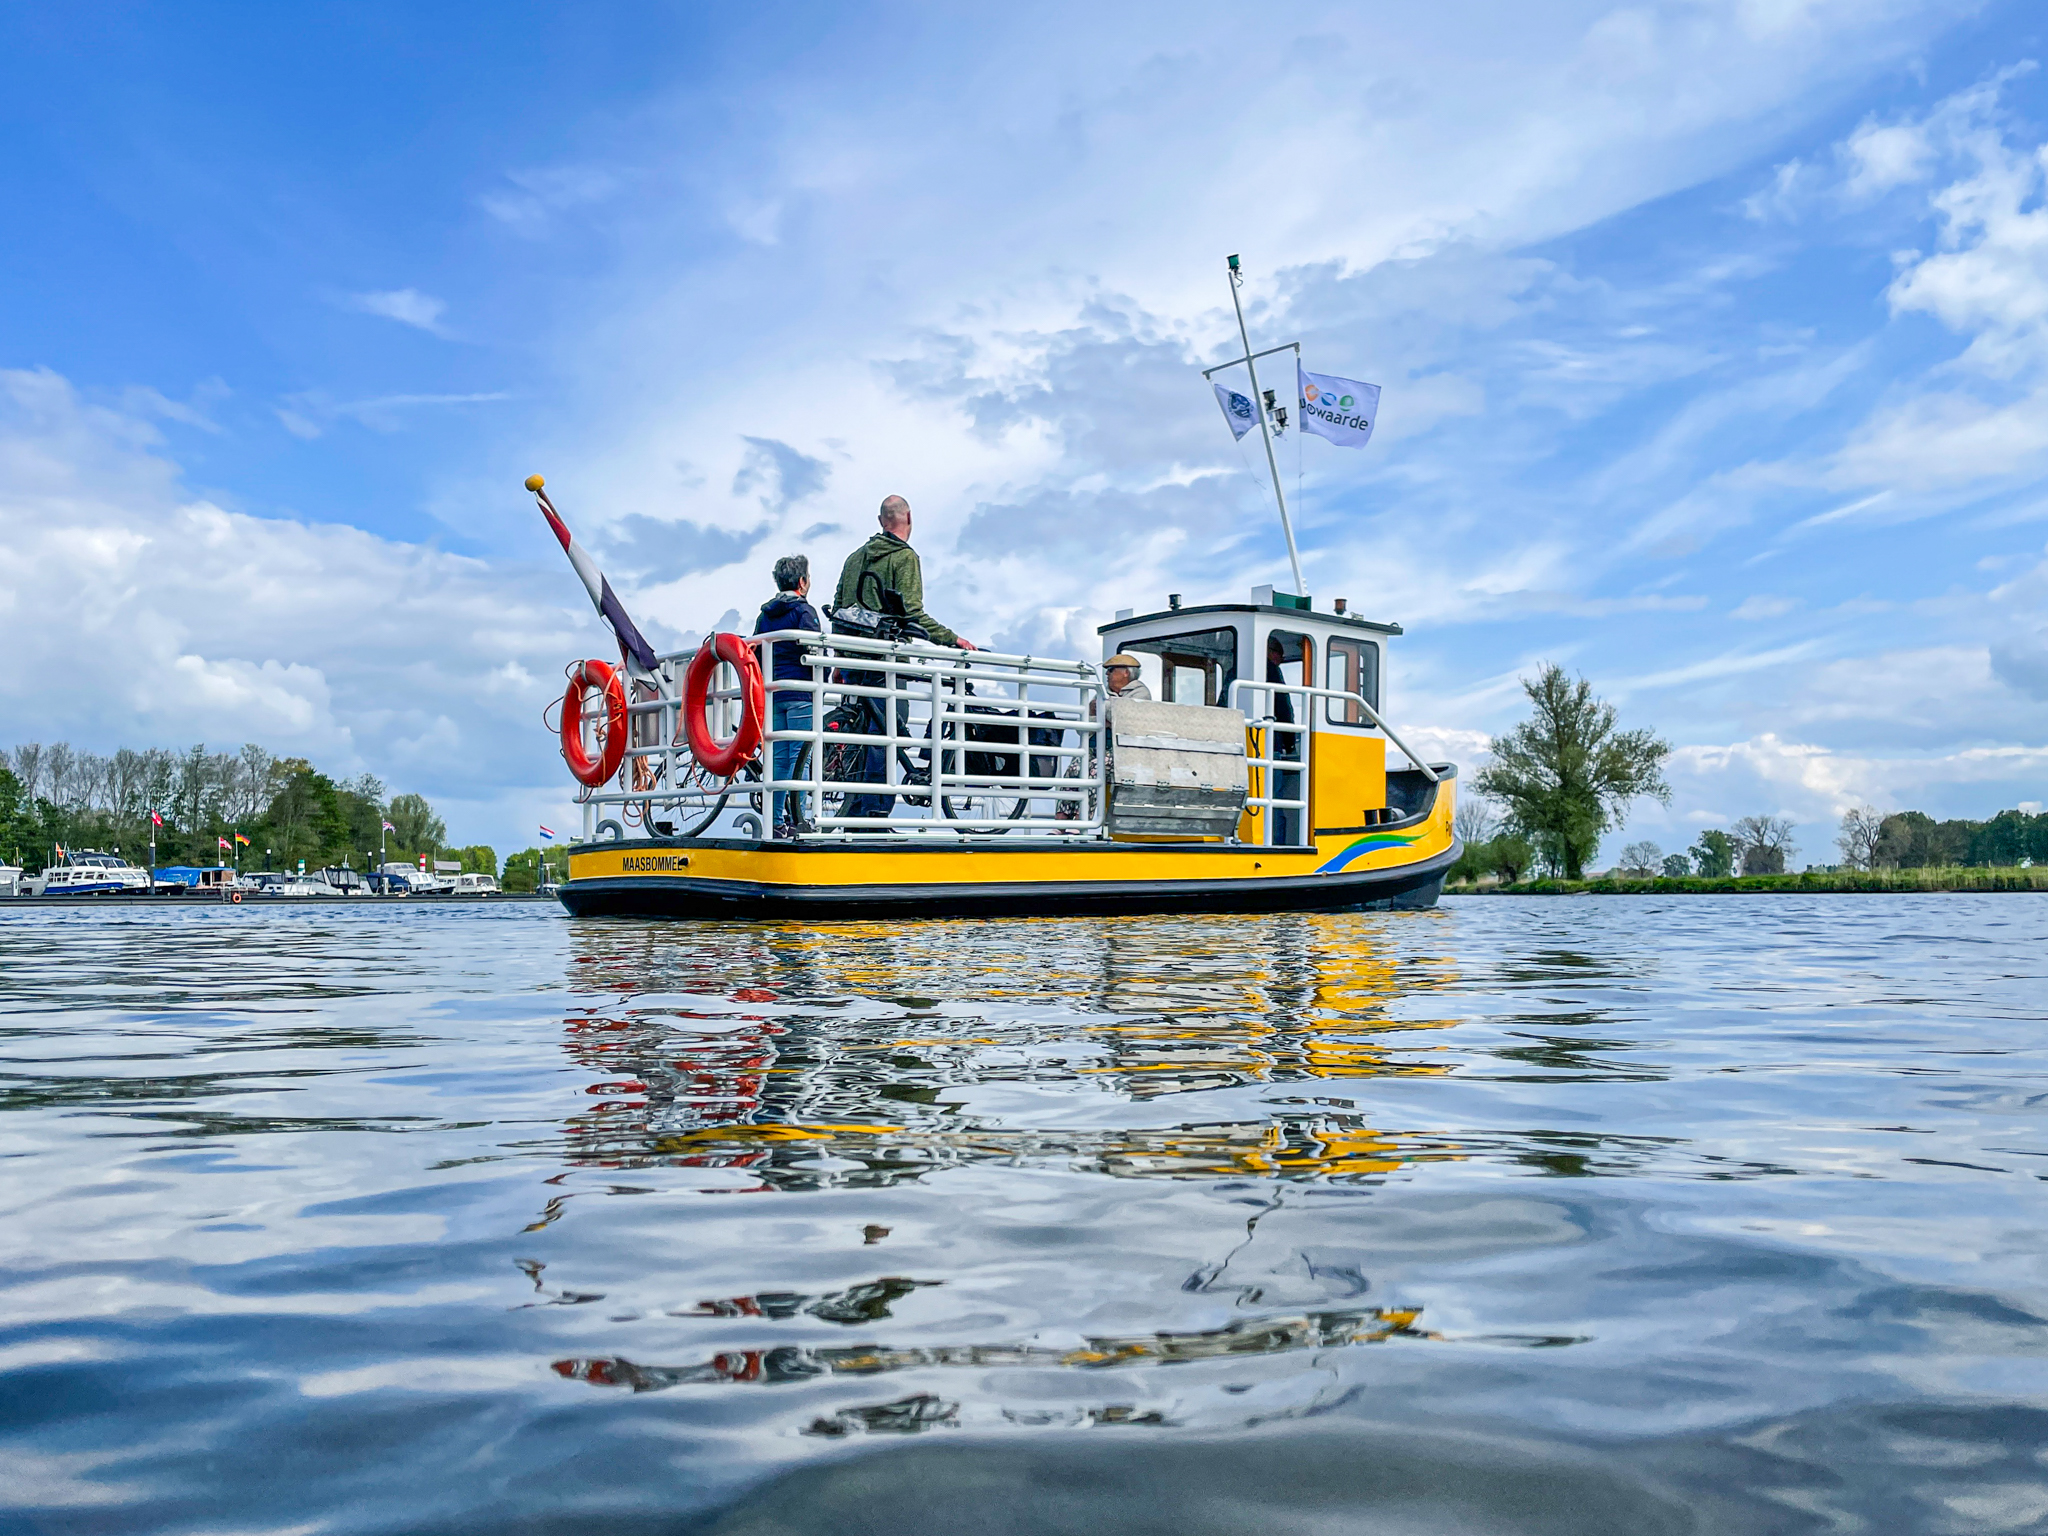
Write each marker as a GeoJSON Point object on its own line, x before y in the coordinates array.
{"type": "Point", "coordinates": [724, 757]}
{"type": "Point", "coordinates": [611, 731]}
{"type": "Point", "coordinates": [235, 897]}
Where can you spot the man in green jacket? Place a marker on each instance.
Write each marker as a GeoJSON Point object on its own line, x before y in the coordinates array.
{"type": "Point", "coordinates": [896, 569]}
{"type": "Point", "coordinates": [894, 566]}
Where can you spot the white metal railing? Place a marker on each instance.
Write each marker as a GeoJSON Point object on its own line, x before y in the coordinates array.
{"type": "Point", "coordinates": [1303, 731]}
{"type": "Point", "coordinates": [925, 706]}
{"type": "Point", "coordinates": [1262, 748]}
{"type": "Point", "coordinates": [1371, 714]}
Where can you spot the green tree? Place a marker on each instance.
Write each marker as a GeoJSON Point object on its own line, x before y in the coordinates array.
{"type": "Point", "coordinates": [362, 812]}
{"type": "Point", "coordinates": [522, 871]}
{"type": "Point", "coordinates": [1906, 841]}
{"type": "Point", "coordinates": [1510, 856]}
{"type": "Point", "coordinates": [1642, 859]}
{"type": "Point", "coordinates": [305, 819]}
{"type": "Point", "coordinates": [416, 828]}
{"type": "Point", "coordinates": [15, 823]}
{"type": "Point", "coordinates": [1858, 838]}
{"type": "Point", "coordinates": [1764, 844]}
{"type": "Point", "coordinates": [1714, 855]}
{"type": "Point", "coordinates": [477, 858]}
{"type": "Point", "coordinates": [1566, 775]}
{"type": "Point", "coordinates": [525, 869]}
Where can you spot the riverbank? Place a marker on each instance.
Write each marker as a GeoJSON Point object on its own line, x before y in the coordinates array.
{"type": "Point", "coordinates": [140, 899]}
{"type": "Point", "coordinates": [1846, 882]}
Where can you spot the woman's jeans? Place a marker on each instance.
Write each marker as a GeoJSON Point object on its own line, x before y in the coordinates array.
{"type": "Point", "coordinates": [792, 713]}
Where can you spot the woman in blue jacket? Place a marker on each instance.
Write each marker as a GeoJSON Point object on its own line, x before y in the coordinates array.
{"type": "Point", "coordinates": [790, 710]}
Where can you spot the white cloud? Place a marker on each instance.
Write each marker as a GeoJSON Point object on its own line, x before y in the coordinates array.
{"type": "Point", "coordinates": [1982, 419]}
{"type": "Point", "coordinates": [1883, 156]}
{"type": "Point", "coordinates": [138, 616]}
{"type": "Point", "coordinates": [539, 195]}
{"type": "Point", "coordinates": [1762, 606]}
{"type": "Point", "coordinates": [310, 414]}
{"type": "Point", "coordinates": [408, 306]}
{"type": "Point", "coordinates": [1816, 785]}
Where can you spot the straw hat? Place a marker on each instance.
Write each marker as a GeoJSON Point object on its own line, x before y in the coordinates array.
{"type": "Point", "coordinates": [1122, 659]}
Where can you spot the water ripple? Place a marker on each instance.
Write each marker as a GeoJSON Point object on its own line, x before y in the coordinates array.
{"type": "Point", "coordinates": [1630, 1215]}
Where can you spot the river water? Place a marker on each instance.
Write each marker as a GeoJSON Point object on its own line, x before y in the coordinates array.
{"type": "Point", "coordinates": [1521, 1215]}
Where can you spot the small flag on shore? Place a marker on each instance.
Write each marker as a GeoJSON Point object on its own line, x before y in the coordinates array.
{"type": "Point", "coordinates": [61, 854]}
{"type": "Point", "coordinates": [155, 820]}
{"type": "Point", "coordinates": [242, 840]}
{"type": "Point", "coordinates": [223, 842]}
{"type": "Point", "coordinates": [547, 834]}
{"type": "Point", "coordinates": [389, 828]}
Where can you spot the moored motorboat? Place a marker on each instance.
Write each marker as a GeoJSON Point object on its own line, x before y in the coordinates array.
{"type": "Point", "coordinates": [88, 873]}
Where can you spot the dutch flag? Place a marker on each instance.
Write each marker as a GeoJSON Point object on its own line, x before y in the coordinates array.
{"type": "Point", "coordinates": [547, 834]}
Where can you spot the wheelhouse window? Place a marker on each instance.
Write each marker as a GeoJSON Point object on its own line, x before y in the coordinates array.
{"type": "Point", "coordinates": [1195, 668]}
{"type": "Point", "coordinates": [1290, 658]}
{"type": "Point", "coordinates": [1354, 667]}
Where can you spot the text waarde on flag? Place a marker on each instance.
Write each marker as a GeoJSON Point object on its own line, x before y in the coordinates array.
{"type": "Point", "coordinates": [1341, 410]}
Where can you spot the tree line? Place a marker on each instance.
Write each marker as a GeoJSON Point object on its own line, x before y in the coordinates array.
{"type": "Point", "coordinates": [525, 869]}
{"type": "Point", "coordinates": [287, 810]}
{"type": "Point", "coordinates": [1914, 840]}
{"type": "Point", "coordinates": [1557, 782]}
{"type": "Point", "coordinates": [1867, 839]}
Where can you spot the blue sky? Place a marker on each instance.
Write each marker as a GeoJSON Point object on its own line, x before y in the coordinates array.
{"type": "Point", "coordinates": [1714, 340]}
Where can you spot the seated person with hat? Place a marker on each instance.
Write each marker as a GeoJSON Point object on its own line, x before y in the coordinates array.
{"type": "Point", "coordinates": [1120, 675]}
{"type": "Point", "coordinates": [1120, 672]}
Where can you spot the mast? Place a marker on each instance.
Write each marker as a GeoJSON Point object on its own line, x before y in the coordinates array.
{"type": "Point", "coordinates": [1265, 428]}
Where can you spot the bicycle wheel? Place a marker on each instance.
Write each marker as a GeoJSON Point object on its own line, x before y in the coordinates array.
{"type": "Point", "coordinates": [985, 807]}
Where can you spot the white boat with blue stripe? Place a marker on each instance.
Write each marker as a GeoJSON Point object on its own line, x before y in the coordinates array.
{"type": "Point", "coordinates": [91, 874]}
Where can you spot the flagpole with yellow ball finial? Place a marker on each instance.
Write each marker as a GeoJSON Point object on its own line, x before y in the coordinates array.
{"type": "Point", "coordinates": [633, 646]}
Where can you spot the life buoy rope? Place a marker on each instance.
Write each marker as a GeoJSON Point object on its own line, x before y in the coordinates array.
{"type": "Point", "coordinates": [724, 757]}
{"type": "Point", "coordinates": [611, 727]}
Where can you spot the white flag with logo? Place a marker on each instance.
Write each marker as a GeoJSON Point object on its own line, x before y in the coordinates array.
{"type": "Point", "coordinates": [1342, 410]}
{"type": "Point", "coordinates": [1238, 410]}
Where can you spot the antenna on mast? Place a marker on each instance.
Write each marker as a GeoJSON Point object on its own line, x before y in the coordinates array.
{"type": "Point", "coordinates": [1266, 414]}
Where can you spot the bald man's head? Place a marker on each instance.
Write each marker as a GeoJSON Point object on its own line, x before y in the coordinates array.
{"type": "Point", "coordinates": [894, 516]}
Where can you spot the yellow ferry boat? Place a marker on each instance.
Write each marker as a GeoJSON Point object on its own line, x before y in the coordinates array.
{"type": "Point", "coordinates": [1253, 777]}
{"type": "Point", "coordinates": [1256, 779]}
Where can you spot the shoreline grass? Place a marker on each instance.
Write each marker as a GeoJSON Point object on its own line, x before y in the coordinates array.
{"type": "Point", "coordinates": [1845, 881]}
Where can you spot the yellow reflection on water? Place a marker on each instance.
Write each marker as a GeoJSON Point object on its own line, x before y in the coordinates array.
{"type": "Point", "coordinates": [871, 1041]}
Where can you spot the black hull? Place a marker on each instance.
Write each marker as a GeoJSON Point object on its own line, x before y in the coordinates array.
{"type": "Point", "coordinates": [1410, 886]}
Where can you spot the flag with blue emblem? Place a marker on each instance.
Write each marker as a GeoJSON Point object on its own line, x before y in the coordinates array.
{"type": "Point", "coordinates": [1238, 410]}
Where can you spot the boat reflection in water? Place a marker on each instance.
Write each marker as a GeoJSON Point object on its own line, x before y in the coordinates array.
{"type": "Point", "coordinates": [828, 1061]}
{"type": "Point", "coordinates": [1152, 1009]}
{"type": "Point", "coordinates": [790, 1363]}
